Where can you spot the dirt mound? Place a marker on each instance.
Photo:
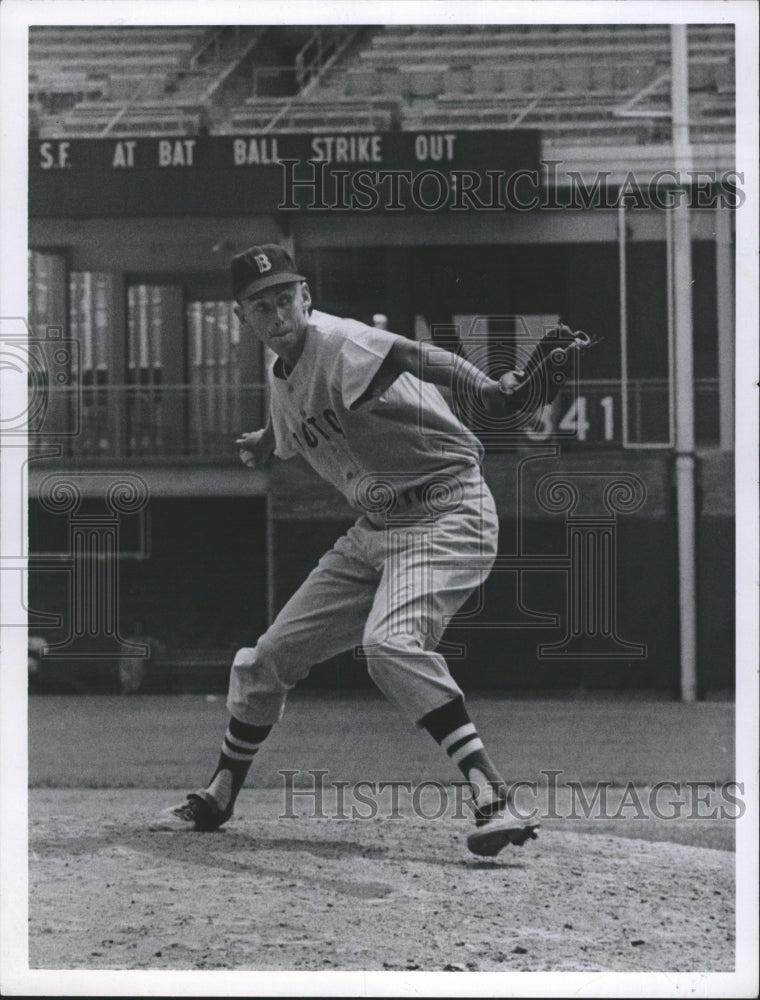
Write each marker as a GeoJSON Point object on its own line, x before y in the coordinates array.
{"type": "Point", "coordinates": [387, 893]}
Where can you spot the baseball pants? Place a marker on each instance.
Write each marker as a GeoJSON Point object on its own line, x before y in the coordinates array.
{"type": "Point", "coordinates": [388, 586]}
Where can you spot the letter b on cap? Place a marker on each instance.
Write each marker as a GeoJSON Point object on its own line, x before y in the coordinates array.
{"type": "Point", "coordinates": [263, 263]}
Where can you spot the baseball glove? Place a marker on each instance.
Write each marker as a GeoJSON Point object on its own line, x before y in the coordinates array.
{"type": "Point", "coordinates": [547, 368]}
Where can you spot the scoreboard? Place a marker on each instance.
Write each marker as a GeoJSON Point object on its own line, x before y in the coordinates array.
{"type": "Point", "coordinates": [218, 175]}
{"type": "Point", "coordinates": [586, 415]}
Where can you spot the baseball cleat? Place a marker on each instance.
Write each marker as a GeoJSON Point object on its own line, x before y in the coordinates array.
{"type": "Point", "coordinates": [492, 835]}
{"type": "Point", "coordinates": [200, 813]}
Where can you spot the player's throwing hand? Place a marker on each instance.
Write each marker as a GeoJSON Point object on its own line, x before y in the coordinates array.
{"type": "Point", "coordinates": [497, 393]}
{"type": "Point", "coordinates": [510, 382]}
{"type": "Point", "coordinates": [256, 447]}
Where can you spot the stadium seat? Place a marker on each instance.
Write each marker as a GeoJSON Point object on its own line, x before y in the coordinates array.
{"type": "Point", "coordinates": [561, 79]}
{"type": "Point", "coordinates": [81, 76]}
{"type": "Point", "coordinates": [424, 80]}
{"type": "Point", "coordinates": [362, 82]}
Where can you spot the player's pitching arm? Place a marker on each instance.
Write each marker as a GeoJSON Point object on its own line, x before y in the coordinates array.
{"type": "Point", "coordinates": [442, 368]}
{"type": "Point", "coordinates": [426, 362]}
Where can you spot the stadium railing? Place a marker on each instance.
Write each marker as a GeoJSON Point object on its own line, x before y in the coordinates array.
{"type": "Point", "coordinates": [114, 119]}
{"type": "Point", "coordinates": [312, 116]}
{"type": "Point", "coordinates": [200, 422]}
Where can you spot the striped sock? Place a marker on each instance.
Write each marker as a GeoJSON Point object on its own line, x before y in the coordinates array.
{"type": "Point", "coordinates": [451, 726]}
{"type": "Point", "coordinates": [240, 745]}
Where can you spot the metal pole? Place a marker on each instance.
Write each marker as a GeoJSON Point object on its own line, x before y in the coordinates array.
{"type": "Point", "coordinates": [623, 288]}
{"type": "Point", "coordinates": [684, 371]}
{"type": "Point", "coordinates": [671, 312]}
{"type": "Point", "coordinates": [725, 311]}
{"type": "Point", "coordinates": [271, 550]}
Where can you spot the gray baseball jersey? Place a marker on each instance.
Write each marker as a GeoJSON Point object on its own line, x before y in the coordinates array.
{"type": "Point", "coordinates": [321, 411]}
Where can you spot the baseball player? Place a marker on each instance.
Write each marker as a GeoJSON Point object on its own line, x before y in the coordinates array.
{"type": "Point", "coordinates": [362, 406]}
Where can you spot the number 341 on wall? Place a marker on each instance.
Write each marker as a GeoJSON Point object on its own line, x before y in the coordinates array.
{"type": "Point", "coordinates": [584, 420]}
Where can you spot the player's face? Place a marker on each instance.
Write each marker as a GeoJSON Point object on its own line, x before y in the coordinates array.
{"type": "Point", "coordinates": [279, 318]}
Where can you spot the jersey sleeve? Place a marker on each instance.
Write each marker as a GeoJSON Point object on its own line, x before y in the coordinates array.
{"type": "Point", "coordinates": [361, 356]}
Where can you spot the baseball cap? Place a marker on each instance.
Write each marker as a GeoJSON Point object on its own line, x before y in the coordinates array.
{"type": "Point", "coordinates": [261, 267]}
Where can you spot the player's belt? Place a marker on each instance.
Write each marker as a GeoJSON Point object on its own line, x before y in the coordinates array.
{"type": "Point", "coordinates": [442, 493]}
{"type": "Point", "coordinates": [439, 494]}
